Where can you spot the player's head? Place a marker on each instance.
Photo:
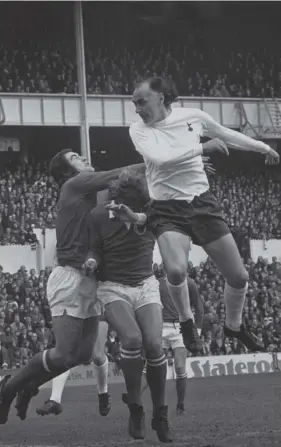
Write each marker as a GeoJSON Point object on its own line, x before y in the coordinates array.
{"type": "Point", "coordinates": [130, 188]}
{"type": "Point", "coordinates": [153, 98]}
{"type": "Point", "coordinates": [66, 163]}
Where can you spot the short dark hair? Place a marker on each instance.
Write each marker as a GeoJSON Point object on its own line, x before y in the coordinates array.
{"type": "Point", "coordinates": [130, 188]}
{"type": "Point", "coordinates": [59, 167]}
{"type": "Point", "coordinates": [165, 86]}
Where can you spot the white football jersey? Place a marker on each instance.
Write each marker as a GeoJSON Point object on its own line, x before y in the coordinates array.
{"type": "Point", "coordinates": [172, 152]}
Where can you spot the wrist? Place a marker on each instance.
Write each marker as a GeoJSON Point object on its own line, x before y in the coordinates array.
{"type": "Point", "coordinates": [140, 219]}
{"type": "Point", "coordinates": [135, 218]}
{"type": "Point", "coordinates": [265, 148]}
{"type": "Point", "coordinates": [206, 148]}
{"type": "Point", "coordinates": [93, 260]}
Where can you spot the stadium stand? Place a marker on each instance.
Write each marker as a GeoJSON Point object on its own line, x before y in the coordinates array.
{"type": "Point", "coordinates": [198, 60]}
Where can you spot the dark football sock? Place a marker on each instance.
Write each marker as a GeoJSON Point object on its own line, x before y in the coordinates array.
{"type": "Point", "coordinates": [181, 385]}
{"type": "Point", "coordinates": [132, 366]}
{"type": "Point", "coordinates": [156, 373]}
{"type": "Point", "coordinates": [35, 373]}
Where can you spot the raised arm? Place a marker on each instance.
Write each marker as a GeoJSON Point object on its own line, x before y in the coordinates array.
{"type": "Point", "coordinates": [91, 182]}
{"type": "Point", "coordinates": [124, 213]}
{"type": "Point", "coordinates": [233, 139]}
{"type": "Point", "coordinates": [157, 152]}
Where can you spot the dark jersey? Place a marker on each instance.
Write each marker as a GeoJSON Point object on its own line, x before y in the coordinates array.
{"type": "Point", "coordinates": [77, 197]}
{"type": "Point", "coordinates": [170, 313]}
{"type": "Point", "coordinates": [125, 255]}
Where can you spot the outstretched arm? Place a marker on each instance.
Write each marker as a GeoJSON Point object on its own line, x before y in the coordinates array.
{"type": "Point", "coordinates": [233, 139]}
{"type": "Point", "coordinates": [124, 213]}
{"type": "Point", "coordinates": [87, 182]}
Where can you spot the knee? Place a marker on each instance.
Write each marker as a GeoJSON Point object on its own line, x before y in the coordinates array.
{"type": "Point", "coordinates": [176, 273]}
{"type": "Point", "coordinates": [132, 341]}
{"type": "Point", "coordinates": [65, 359]}
{"type": "Point", "coordinates": [99, 358]}
{"type": "Point", "coordinates": [153, 349]}
{"type": "Point", "coordinates": [85, 356]}
{"type": "Point", "coordinates": [238, 279]}
{"type": "Point", "coordinates": [180, 371]}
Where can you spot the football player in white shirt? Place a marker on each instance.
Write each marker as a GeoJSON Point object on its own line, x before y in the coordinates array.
{"type": "Point", "coordinates": [182, 207]}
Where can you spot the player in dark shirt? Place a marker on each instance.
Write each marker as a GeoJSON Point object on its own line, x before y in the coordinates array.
{"type": "Point", "coordinates": [71, 293]}
{"type": "Point", "coordinates": [172, 338]}
{"type": "Point", "coordinates": [130, 295]}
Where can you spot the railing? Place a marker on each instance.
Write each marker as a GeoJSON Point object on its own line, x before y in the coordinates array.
{"type": "Point", "coordinates": [35, 109]}
{"type": "Point", "coordinates": [2, 113]}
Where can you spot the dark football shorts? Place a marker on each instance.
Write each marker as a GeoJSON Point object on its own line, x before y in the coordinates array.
{"type": "Point", "coordinates": [200, 219]}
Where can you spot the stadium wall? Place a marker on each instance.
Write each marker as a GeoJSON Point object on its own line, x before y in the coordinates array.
{"type": "Point", "coordinates": [14, 256]}
{"type": "Point", "coordinates": [265, 248]}
{"type": "Point", "coordinates": [197, 367]}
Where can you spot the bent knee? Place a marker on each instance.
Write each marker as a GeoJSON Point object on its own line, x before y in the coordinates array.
{"type": "Point", "coordinates": [239, 279]}
{"type": "Point", "coordinates": [132, 341]}
{"type": "Point", "coordinates": [66, 360]}
{"type": "Point", "coordinates": [180, 372]}
{"type": "Point", "coordinates": [176, 273]}
{"type": "Point", "coordinates": [99, 358]}
{"type": "Point", "coordinates": [153, 350]}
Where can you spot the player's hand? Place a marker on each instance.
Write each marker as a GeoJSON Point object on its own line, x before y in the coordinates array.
{"type": "Point", "coordinates": [215, 145]}
{"type": "Point", "coordinates": [272, 158]}
{"type": "Point", "coordinates": [122, 212]}
{"type": "Point", "coordinates": [208, 166]}
{"type": "Point", "coordinates": [90, 265]}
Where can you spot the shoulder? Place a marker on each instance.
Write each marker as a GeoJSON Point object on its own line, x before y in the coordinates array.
{"type": "Point", "coordinates": [79, 180]}
{"type": "Point", "coordinates": [138, 128]}
{"type": "Point", "coordinates": [99, 211]}
{"type": "Point", "coordinates": [189, 113]}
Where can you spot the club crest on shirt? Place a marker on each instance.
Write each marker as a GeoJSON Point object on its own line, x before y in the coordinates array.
{"type": "Point", "coordinates": [190, 128]}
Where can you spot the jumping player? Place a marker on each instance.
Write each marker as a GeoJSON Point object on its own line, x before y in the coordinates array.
{"type": "Point", "coordinates": [130, 295]}
{"type": "Point", "coordinates": [71, 293]}
{"type": "Point", "coordinates": [182, 207]}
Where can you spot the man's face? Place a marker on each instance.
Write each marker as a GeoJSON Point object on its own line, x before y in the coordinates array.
{"type": "Point", "coordinates": [149, 104]}
{"type": "Point", "coordinates": [78, 162]}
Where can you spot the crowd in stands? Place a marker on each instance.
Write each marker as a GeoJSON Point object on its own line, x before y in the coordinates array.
{"type": "Point", "coordinates": [197, 58]}
{"type": "Point", "coordinates": [25, 319]}
{"type": "Point", "coordinates": [237, 74]}
{"type": "Point", "coordinates": [250, 200]}
{"type": "Point", "coordinates": [27, 201]}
